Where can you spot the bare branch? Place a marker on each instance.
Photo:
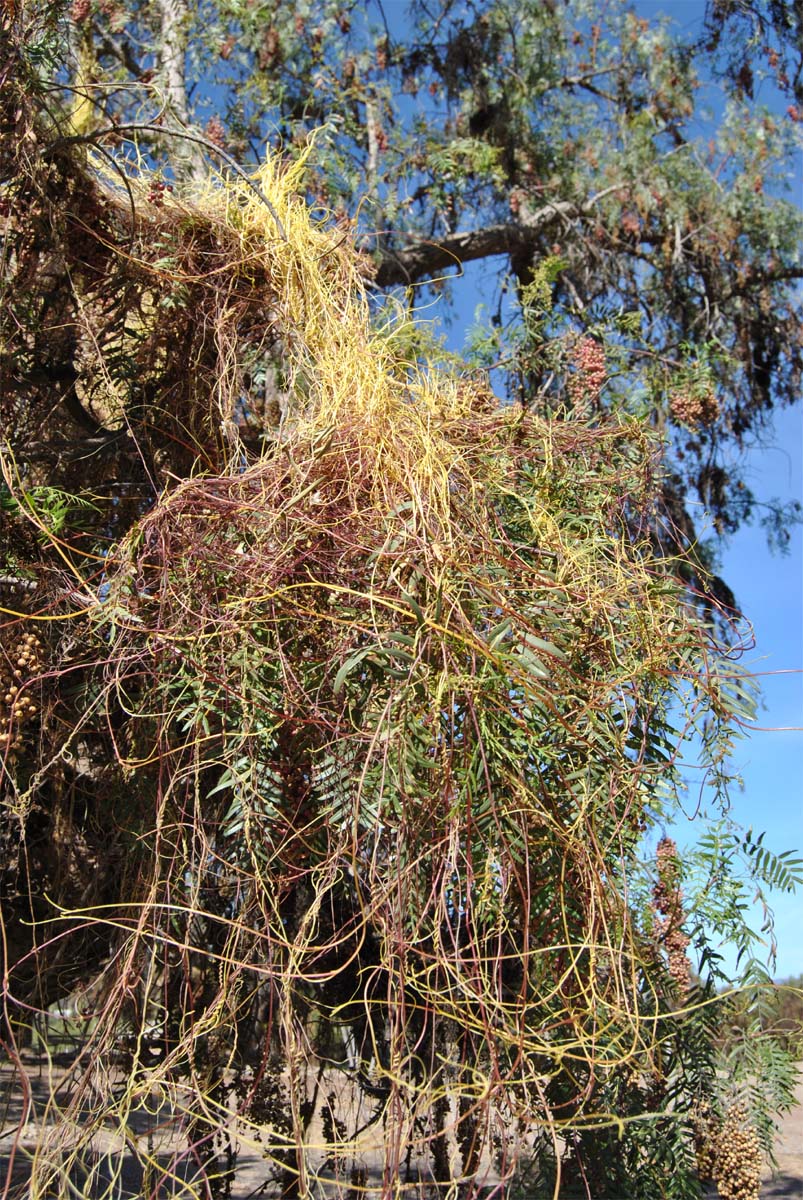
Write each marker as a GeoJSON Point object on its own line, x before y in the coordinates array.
{"type": "Point", "coordinates": [121, 50]}
{"type": "Point", "coordinates": [423, 258]}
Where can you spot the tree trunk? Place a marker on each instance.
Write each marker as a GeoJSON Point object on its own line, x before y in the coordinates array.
{"type": "Point", "coordinates": [187, 156]}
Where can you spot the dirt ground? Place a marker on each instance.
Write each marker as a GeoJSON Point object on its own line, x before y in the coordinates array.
{"type": "Point", "coordinates": [788, 1182]}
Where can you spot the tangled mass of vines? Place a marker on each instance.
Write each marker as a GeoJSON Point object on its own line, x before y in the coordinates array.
{"type": "Point", "coordinates": [339, 706]}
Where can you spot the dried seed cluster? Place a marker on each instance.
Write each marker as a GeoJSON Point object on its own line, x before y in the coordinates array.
{"type": "Point", "coordinates": [738, 1164]}
{"type": "Point", "coordinates": [20, 661]}
{"type": "Point", "coordinates": [80, 11]}
{"type": "Point", "coordinates": [706, 1130]}
{"type": "Point", "coordinates": [215, 132]}
{"type": "Point", "coordinates": [667, 900]}
{"type": "Point", "coordinates": [586, 383]}
{"type": "Point", "coordinates": [729, 1152]}
{"type": "Point", "coordinates": [694, 408]}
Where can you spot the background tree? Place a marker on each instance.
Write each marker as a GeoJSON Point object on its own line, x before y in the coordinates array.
{"type": "Point", "coordinates": [338, 696]}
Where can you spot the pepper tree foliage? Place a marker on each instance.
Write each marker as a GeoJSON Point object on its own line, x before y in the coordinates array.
{"type": "Point", "coordinates": [342, 704]}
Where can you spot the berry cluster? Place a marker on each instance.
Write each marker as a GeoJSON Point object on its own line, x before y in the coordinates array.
{"type": "Point", "coordinates": [80, 10]}
{"type": "Point", "coordinates": [156, 195]}
{"type": "Point", "coordinates": [215, 132]}
{"type": "Point", "coordinates": [585, 384]}
{"type": "Point", "coordinates": [738, 1164]}
{"type": "Point", "coordinates": [20, 662]}
{"type": "Point", "coordinates": [694, 408]}
{"type": "Point", "coordinates": [667, 900]}
{"type": "Point", "coordinates": [728, 1152]}
{"type": "Point", "coordinates": [706, 1132]}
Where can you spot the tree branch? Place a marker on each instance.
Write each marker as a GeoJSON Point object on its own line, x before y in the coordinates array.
{"type": "Point", "coordinates": [121, 50]}
{"type": "Point", "coordinates": [423, 258]}
{"type": "Point", "coordinates": [428, 258]}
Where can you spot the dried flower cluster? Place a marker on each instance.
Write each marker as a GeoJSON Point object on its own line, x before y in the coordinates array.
{"type": "Point", "coordinates": [586, 382]}
{"type": "Point", "coordinates": [20, 661]}
{"type": "Point", "coordinates": [694, 407]}
{"type": "Point", "coordinates": [667, 899]}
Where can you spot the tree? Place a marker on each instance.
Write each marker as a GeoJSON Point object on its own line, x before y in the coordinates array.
{"type": "Point", "coordinates": [338, 695]}
{"type": "Point", "coordinates": [520, 133]}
